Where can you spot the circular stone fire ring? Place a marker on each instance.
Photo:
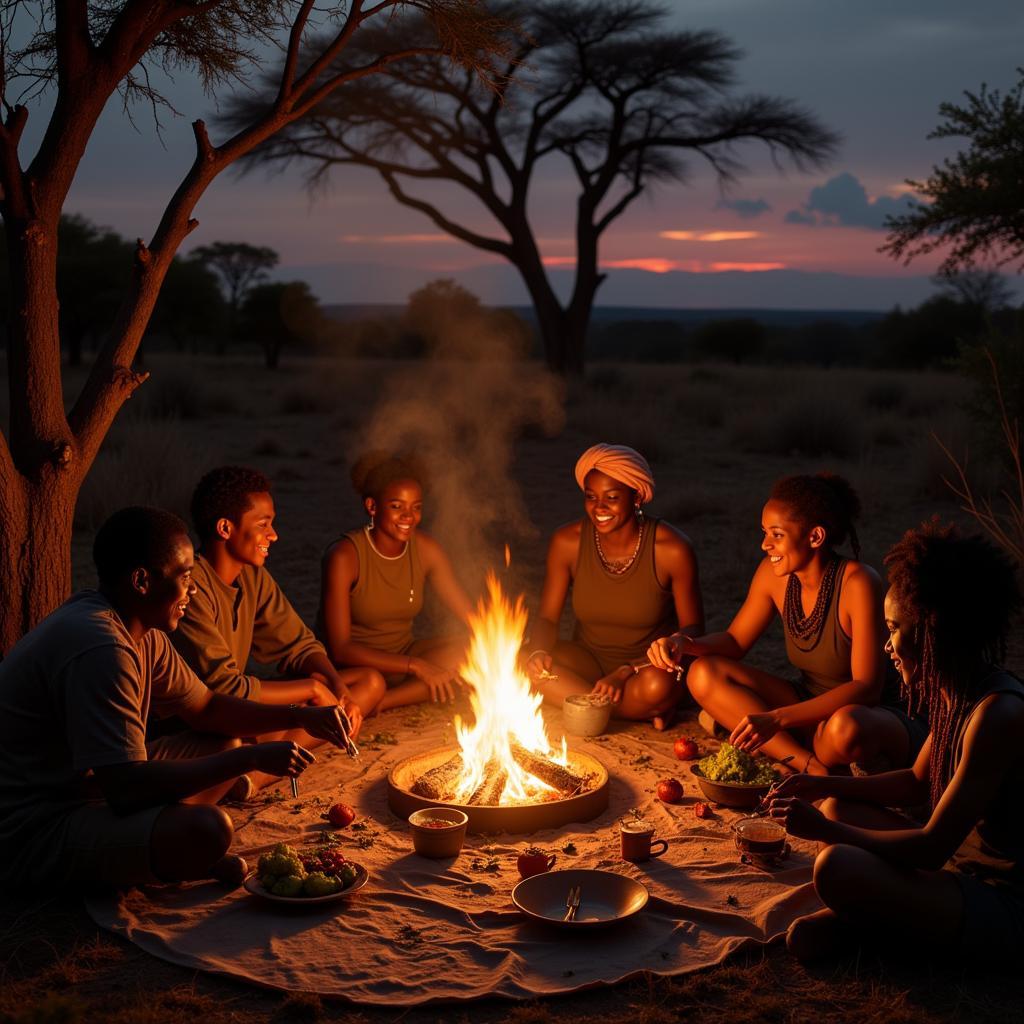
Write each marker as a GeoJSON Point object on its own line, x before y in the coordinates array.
{"type": "Point", "coordinates": [518, 819]}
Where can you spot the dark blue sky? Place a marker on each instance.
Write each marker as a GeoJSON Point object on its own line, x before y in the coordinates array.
{"type": "Point", "coordinates": [874, 71]}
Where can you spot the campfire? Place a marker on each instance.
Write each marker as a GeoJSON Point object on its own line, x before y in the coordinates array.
{"type": "Point", "coordinates": [505, 760]}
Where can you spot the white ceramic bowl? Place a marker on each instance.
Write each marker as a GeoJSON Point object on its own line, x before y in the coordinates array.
{"type": "Point", "coordinates": [586, 714]}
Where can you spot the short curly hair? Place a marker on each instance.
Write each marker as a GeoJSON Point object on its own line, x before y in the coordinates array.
{"type": "Point", "coordinates": [821, 499]}
{"type": "Point", "coordinates": [375, 470]}
{"type": "Point", "coordinates": [959, 594]}
{"type": "Point", "coordinates": [225, 493]}
{"type": "Point", "coordinates": [137, 537]}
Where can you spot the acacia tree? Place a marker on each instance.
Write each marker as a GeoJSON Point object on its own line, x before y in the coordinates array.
{"type": "Point", "coordinates": [240, 266]}
{"type": "Point", "coordinates": [975, 200]}
{"type": "Point", "coordinates": [78, 54]}
{"type": "Point", "coordinates": [598, 82]}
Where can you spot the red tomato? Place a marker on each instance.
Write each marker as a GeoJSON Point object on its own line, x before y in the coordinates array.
{"type": "Point", "coordinates": [685, 749]}
{"type": "Point", "coordinates": [701, 810]}
{"type": "Point", "coordinates": [534, 861]}
{"type": "Point", "coordinates": [341, 815]}
{"type": "Point", "coordinates": [670, 791]}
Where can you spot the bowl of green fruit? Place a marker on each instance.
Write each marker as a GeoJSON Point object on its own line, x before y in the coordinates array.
{"type": "Point", "coordinates": [733, 777]}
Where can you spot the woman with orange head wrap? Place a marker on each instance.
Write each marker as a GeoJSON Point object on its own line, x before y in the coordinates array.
{"type": "Point", "coordinates": [630, 575]}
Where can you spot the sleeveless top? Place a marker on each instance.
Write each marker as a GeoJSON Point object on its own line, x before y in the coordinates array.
{"type": "Point", "coordinates": [824, 662]}
{"type": "Point", "coordinates": [619, 617]}
{"type": "Point", "coordinates": [387, 596]}
{"type": "Point", "coordinates": [994, 849]}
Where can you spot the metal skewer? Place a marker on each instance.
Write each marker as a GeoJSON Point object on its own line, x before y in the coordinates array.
{"type": "Point", "coordinates": [295, 787]}
{"type": "Point", "coordinates": [350, 748]}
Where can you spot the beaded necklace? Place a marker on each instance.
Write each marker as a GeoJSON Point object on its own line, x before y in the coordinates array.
{"type": "Point", "coordinates": [619, 566]}
{"type": "Point", "coordinates": [394, 558]}
{"type": "Point", "coordinates": [799, 627]}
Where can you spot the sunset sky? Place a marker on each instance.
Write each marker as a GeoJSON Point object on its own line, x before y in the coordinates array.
{"type": "Point", "coordinates": [874, 71]}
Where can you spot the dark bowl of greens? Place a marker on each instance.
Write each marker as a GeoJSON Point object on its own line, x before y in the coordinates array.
{"type": "Point", "coordinates": [733, 777]}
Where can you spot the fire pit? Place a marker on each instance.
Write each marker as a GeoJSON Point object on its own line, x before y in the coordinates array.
{"type": "Point", "coordinates": [526, 817]}
{"type": "Point", "coordinates": [505, 774]}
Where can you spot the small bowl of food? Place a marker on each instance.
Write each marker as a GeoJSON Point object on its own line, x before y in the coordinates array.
{"type": "Point", "coordinates": [733, 777]}
{"type": "Point", "coordinates": [586, 714]}
{"type": "Point", "coordinates": [438, 832]}
{"type": "Point", "coordinates": [760, 837]}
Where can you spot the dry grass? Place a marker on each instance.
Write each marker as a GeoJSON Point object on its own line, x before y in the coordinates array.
{"type": "Point", "coordinates": [303, 424]}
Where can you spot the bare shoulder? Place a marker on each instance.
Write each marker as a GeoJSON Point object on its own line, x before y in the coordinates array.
{"type": "Point", "coordinates": [766, 584]}
{"type": "Point", "coordinates": [1000, 715]}
{"type": "Point", "coordinates": [342, 557]}
{"type": "Point", "coordinates": [860, 574]}
{"type": "Point", "coordinates": [670, 538]}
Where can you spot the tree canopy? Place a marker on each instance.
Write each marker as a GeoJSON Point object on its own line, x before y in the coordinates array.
{"type": "Point", "coordinates": [80, 54]}
{"type": "Point", "coordinates": [600, 84]}
{"type": "Point", "coordinates": [974, 201]}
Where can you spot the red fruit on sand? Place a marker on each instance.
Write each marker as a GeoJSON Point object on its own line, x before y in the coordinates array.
{"type": "Point", "coordinates": [670, 791]}
{"type": "Point", "coordinates": [685, 749]}
{"type": "Point", "coordinates": [341, 815]}
{"type": "Point", "coordinates": [701, 810]}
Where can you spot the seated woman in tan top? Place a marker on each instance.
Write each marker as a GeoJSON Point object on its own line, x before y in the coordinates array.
{"type": "Point", "coordinates": [631, 576]}
{"type": "Point", "coordinates": [831, 610]}
{"type": "Point", "coordinates": [373, 583]}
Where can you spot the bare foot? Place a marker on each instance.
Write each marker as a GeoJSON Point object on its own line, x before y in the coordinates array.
{"type": "Point", "coordinates": [818, 936]}
{"type": "Point", "coordinates": [665, 720]}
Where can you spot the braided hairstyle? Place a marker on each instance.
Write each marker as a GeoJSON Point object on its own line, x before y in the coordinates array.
{"type": "Point", "coordinates": [821, 499]}
{"type": "Point", "coordinates": [375, 470]}
{"type": "Point", "coordinates": [959, 595]}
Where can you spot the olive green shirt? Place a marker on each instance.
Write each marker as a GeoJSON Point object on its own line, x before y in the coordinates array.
{"type": "Point", "coordinates": [225, 625]}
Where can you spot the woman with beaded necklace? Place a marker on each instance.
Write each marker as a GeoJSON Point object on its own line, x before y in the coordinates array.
{"type": "Point", "coordinates": [631, 577]}
{"type": "Point", "coordinates": [831, 609]}
{"type": "Point", "coordinates": [373, 583]}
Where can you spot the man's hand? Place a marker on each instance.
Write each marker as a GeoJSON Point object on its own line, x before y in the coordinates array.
{"type": "Point", "coordinates": [282, 757]}
{"type": "Point", "coordinates": [753, 731]}
{"type": "Point", "coordinates": [323, 695]}
{"type": "Point", "coordinates": [354, 713]}
{"type": "Point", "coordinates": [538, 666]}
{"type": "Point", "coordinates": [324, 722]}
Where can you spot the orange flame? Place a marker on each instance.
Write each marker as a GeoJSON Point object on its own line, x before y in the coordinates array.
{"type": "Point", "coordinates": [504, 706]}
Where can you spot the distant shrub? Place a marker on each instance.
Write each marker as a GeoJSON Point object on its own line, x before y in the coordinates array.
{"type": "Point", "coordinates": [738, 340]}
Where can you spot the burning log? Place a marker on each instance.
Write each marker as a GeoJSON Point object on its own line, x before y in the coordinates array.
{"type": "Point", "coordinates": [439, 782]}
{"type": "Point", "coordinates": [489, 791]}
{"type": "Point", "coordinates": [546, 770]}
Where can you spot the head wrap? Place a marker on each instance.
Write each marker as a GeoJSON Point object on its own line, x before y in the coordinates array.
{"type": "Point", "coordinates": [621, 463]}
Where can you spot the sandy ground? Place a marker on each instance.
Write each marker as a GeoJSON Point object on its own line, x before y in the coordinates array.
{"type": "Point", "coordinates": [502, 440]}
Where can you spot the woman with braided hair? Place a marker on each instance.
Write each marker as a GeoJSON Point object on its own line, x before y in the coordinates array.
{"type": "Point", "coordinates": [373, 583]}
{"type": "Point", "coordinates": [831, 609]}
{"type": "Point", "coordinates": [632, 577]}
{"type": "Point", "coordinates": [957, 881]}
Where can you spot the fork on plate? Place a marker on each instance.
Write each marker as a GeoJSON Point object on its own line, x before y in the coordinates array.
{"type": "Point", "coordinates": [572, 903]}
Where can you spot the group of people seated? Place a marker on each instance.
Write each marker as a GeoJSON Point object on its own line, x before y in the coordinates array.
{"type": "Point", "coordinates": [129, 713]}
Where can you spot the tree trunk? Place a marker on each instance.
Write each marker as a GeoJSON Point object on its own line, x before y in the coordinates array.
{"type": "Point", "coordinates": [35, 548]}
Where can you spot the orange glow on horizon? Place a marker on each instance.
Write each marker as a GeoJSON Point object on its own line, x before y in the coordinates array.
{"type": "Point", "coordinates": [709, 236]}
{"type": "Point", "coordinates": [662, 265]}
{"type": "Point", "coordinates": [398, 239]}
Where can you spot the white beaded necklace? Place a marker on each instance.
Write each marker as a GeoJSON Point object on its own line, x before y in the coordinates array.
{"type": "Point", "coordinates": [394, 558]}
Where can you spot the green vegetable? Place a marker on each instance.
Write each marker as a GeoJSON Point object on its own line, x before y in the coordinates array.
{"type": "Point", "coordinates": [732, 765]}
{"type": "Point", "coordinates": [290, 885]}
{"type": "Point", "coordinates": [319, 884]}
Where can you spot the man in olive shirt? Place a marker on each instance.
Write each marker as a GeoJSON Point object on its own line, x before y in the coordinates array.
{"type": "Point", "coordinates": [239, 611]}
{"type": "Point", "coordinates": [83, 798]}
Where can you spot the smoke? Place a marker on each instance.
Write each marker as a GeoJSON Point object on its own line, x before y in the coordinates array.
{"type": "Point", "coordinates": [461, 411]}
